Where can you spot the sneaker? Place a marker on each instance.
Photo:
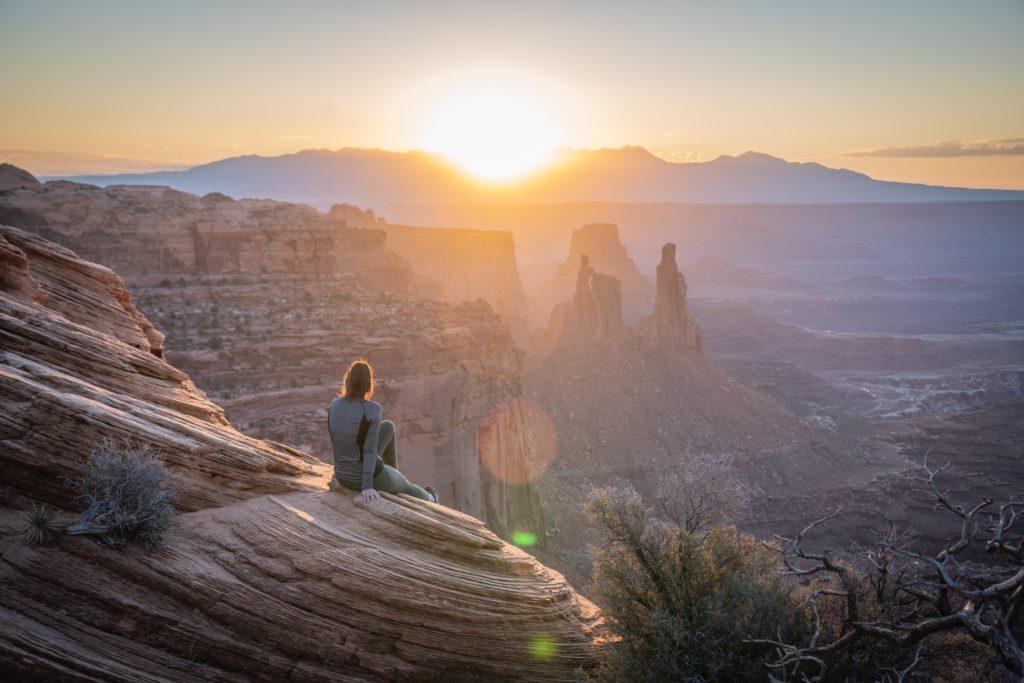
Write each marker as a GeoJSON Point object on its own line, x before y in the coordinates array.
{"type": "Point", "coordinates": [434, 498]}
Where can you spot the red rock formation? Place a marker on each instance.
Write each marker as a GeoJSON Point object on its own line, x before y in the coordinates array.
{"type": "Point", "coordinates": [670, 326]}
{"type": "Point", "coordinates": [12, 177]}
{"type": "Point", "coordinates": [267, 575]}
{"type": "Point", "coordinates": [591, 319]}
{"type": "Point", "coordinates": [599, 242]}
{"type": "Point", "coordinates": [149, 233]}
{"type": "Point", "coordinates": [272, 353]}
{"type": "Point", "coordinates": [630, 403]}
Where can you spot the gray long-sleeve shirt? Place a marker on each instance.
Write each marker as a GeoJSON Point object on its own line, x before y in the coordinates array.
{"type": "Point", "coordinates": [343, 421]}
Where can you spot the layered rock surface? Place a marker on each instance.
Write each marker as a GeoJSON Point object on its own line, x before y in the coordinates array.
{"type": "Point", "coordinates": [148, 233]}
{"type": "Point", "coordinates": [267, 575]}
{"type": "Point", "coordinates": [12, 177]}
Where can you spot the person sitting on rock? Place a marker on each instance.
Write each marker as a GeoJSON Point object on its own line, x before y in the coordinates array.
{"type": "Point", "coordinates": [365, 452]}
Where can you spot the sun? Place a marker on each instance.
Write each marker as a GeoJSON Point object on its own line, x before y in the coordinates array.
{"type": "Point", "coordinates": [495, 127]}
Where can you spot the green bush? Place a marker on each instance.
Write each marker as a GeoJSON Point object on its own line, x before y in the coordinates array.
{"type": "Point", "coordinates": [682, 604]}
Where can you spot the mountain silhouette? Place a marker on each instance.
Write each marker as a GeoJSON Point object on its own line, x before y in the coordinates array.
{"type": "Point", "coordinates": [373, 177]}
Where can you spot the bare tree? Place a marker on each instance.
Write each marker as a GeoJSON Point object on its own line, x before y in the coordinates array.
{"type": "Point", "coordinates": [893, 593]}
{"type": "Point", "coordinates": [702, 491]}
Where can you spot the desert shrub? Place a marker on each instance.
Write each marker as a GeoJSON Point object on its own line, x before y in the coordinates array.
{"type": "Point", "coordinates": [700, 492]}
{"type": "Point", "coordinates": [42, 527]}
{"type": "Point", "coordinates": [125, 494]}
{"type": "Point", "coordinates": [685, 602]}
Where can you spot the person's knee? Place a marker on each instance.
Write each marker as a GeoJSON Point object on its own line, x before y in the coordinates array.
{"type": "Point", "coordinates": [387, 431]}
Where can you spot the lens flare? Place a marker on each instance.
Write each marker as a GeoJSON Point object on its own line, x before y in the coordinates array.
{"type": "Point", "coordinates": [542, 648]}
{"type": "Point", "coordinates": [517, 441]}
{"type": "Point", "coordinates": [524, 539]}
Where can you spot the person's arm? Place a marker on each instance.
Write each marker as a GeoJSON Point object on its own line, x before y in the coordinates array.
{"type": "Point", "coordinates": [373, 414]}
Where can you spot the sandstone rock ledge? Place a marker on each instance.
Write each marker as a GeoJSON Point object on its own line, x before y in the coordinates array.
{"type": "Point", "coordinates": [267, 576]}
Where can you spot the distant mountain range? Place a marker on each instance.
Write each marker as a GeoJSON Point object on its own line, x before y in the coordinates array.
{"type": "Point", "coordinates": [374, 178]}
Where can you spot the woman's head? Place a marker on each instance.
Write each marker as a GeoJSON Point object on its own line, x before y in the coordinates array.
{"type": "Point", "coordinates": [358, 381]}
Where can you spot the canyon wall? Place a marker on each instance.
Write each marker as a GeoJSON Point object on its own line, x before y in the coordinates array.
{"type": "Point", "coordinates": [152, 233]}
{"type": "Point", "coordinates": [266, 574]}
{"type": "Point", "coordinates": [466, 264]}
{"type": "Point", "coordinates": [265, 303]}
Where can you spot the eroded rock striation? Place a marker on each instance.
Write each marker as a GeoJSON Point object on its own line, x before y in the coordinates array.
{"type": "Point", "coordinates": [148, 233]}
{"type": "Point", "coordinates": [267, 575]}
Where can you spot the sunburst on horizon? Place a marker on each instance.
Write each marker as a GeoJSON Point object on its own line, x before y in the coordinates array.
{"type": "Point", "coordinates": [497, 127]}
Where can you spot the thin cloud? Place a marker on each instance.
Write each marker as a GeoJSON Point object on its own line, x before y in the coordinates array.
{"type": "Point", "coordinates": [292, 137]}
{"type": "Point", "coordinates": [951, 148]}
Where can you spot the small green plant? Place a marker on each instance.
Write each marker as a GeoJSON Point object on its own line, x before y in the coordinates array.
{"type": "Point", "coordinates": [125, 494]}
{"type": "Point", "coordinates": [42, 528]}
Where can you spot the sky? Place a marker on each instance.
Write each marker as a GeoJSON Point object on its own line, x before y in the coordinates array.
{"type": "Point", "coordinates": [903, 90]}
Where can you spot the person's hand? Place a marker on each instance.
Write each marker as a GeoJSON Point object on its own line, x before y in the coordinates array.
{"type": "Point", "coordinates": [370, 496]}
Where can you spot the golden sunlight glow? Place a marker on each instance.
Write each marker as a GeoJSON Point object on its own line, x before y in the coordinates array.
{"type": "Point", "coordinates": [495, 126]}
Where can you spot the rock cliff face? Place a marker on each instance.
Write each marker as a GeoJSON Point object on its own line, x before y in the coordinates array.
{"type": "Point", "coordinates": [466, 264]}
{"type": "Point", "coordinates": [267, 575]}
{"type": "Point", "coordinates": [150, 233]}
{"type": "Point", "coordinates": [599, 242]}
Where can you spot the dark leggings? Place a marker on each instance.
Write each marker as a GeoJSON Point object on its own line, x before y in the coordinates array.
{"type": "Point", "coordinates": [390, 480]}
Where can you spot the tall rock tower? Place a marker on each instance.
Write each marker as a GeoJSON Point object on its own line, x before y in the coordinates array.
{"type": "Point", "coordinates": [670, 326]}
{"type": "Point", "coordinates": [591, 319]}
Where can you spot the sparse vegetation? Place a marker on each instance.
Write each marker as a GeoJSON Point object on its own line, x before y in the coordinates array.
{"type": "Point", "coordinates": [42, 528]}
{"type": "Point", "coordinates": [685, 599]}
{"type": "Point", "coordinates": [125, 494]}
{"type": "Point", "coordinates": [686, 594]}
{"type": "Point", "coordinates": [891, 609]}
